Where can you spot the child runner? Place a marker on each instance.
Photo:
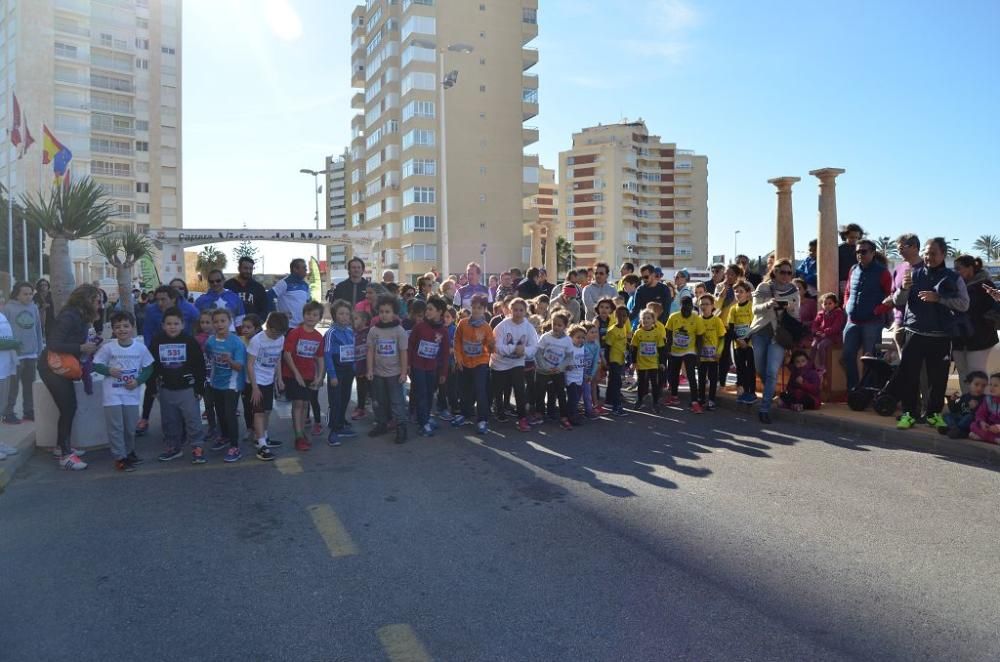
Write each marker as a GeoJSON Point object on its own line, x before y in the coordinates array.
{"type": "Point", "coordinates": [592, 364]}
{"type": "Point", "coordinates": [362, 322]}
{"type": "Point", "coordinates": [388, 365]}
{"type": "Point", "coordinates": [263, 373]}
{"type": "Point", "coordinates": [740, 319]}
{"type": "Point", "coordinates": [448, 402]}
{"type": "Point", "coordinates": [226, 355]}
{"type": "Point", "coordinates": [26, 324]}
{"type": "Point", "coordinates": [179, 372]}
{"type": "Point", "coordinates": [711, 348]}
{"type": "Point", "coordinates": [204, 332]}
{"type": "Point", "coordinates": [428, 349]}
{"type": "Point", "coordinates": [303, 369]}
{"type": "Point", "coordinates": [126, 365]}
{"type": "Point", "coordinates": [249, 327]}
{"type": "Point", "coordinates": [473, 345]}
{"type": "Point", "coordinates": [553, 356]}
{"type": "Point", "coordinates": [649, 351]}
{"type": "Point", "coordinates": [575, 373]}
{"type": "Point", "coordinates": [616, 342]}
{"type": "Point", "coordinates": [684, 336]}
{"type": "Point", "coordinates": [339, 356]}
{"type": "Point", "coordinates": [515, 342]}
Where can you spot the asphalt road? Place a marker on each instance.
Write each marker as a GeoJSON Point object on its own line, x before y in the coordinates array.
{"type": "Point", "coordinates": [676, 538]}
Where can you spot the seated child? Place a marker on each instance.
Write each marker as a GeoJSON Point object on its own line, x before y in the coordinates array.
{"type": "Point", "coordinates": [986, 426]}
{"type": "Point", "coordinates": [962, 408]}
{"type": "Point", "coordinates": [803, 384]}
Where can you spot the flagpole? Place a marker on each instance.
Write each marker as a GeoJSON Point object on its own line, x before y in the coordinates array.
{"type": "Point", "coordinates": [10, 214]}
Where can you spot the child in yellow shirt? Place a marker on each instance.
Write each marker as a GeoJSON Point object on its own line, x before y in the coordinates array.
{"type": "Point", "coordinates": [616, 343]}
{"type": "Point", "coordinates": [685, 331]}
{"type": "Point", "coordinates": [714, 339]}
{"type": "Point", "coordinates": [740, 319]}
{"type": "Point", "coordinates": [648, 348]}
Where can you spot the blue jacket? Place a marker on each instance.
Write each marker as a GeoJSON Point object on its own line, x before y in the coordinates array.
{"type": "Point", "coordinates": [226, 299]}
{"type": "Point", "coordinates": [154, 320]}
{"type": "Point", "coordinates": [336, 337]}
{"type": "Point", "coordinates": [933, 319]}
{"type": "Point", "coordinates": [289, 295]}
{"type": "Point", "coordinates": [807, 271]}
{"type": "Point", "coordinates": [643, 295]}
{"type": "Point", "coordinates": [867, 288]}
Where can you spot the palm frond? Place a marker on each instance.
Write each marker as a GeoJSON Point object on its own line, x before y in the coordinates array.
{"type": "Point", "coordinates": [75, 212]}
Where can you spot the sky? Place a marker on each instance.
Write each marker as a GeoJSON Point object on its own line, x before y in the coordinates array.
{"type": "Point", "coordinates": [904, 95]}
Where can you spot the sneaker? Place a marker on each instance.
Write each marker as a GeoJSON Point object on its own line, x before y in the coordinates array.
{"type": "Point", "coordinates": [358, 414]}
{"type": "Point", "coordinates": [481, 427]}
{"type": "Point", "coordinates": [696, 408]}
{"type": "Point", "coordinates": [134, 459]}
{"type": "Point", "coordinates": [445, 415]}
{"type": "Point", "coordinates": [671, 400]}
{"type": "Point", "coordinates": [233, 455]}
{"type": "Point", "coordinates": [457, 421]}
{"type": "Point", "coordinates": [906, 421]}
{"type": "Point", "coordinates": [11, 420]}
{"type": "Point", "coordinates": [198, 455]}
{"type": "Point", "coordinates": [263, 453]}
{"type": "Point", "coordinates": [73, 463]}
{"type": "Point", "coordinates": [937, 421]}
{"type": "Point", "coordinates": [565, 424]}
{"type": "Point", "coordinates": [747, 398]}
{"type": "Point", "coordinates": [123, 465]}
{"type": "Point", "coordinates": [7, 449]}
{"type": "Point", "coordinates": [601, 411]}
{"type": "Point", "coordinates": [347, 432]}
{"type": "Point", "coordinates": [501, 416]}
{"type": "Point", "coordinates": [593, 415]}
{"type": "Point", "coordinates": [219, 445]}
{"type": "Point", "coordinates": [523, 425]}
{"type": "Point", "coordinates": [302, 444]}
{"type": "Point", "coordinates": [317, 429]}
{"type": "Point", "coordinates": [619, 412]}
{"type": "Point", "coordinates": [764, 417]}
{"type": "Point", "coordinates": [427, 430]}
{"type": "Point", "coordinates": [710, 405]}
{"type": "Point", "coordinates": [78, 452]}
{"type": "Point", "coordinates": [273, 443]}
{"type": "Point", "coordinates": [536, 419]}
{"type": "Point", "coordinates": [378, 430]}
{"type": "Point", "coordinates": [141, 427]}
{"type": "Point", "coordinates": [433, 423]}
{"type": "Point", "coordinates": [170, 454]}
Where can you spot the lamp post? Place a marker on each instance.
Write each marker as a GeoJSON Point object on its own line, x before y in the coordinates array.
{"type": "Point", "coordinates": [316, 190]}
{"type": "Point", "coordinates": [736, 249]}
{"type": "Point", "coordinates": [447, 82]}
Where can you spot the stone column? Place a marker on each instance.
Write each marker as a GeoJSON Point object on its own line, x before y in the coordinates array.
{"type": "Point", "coordinates": [827, 237]}
{"type": "Point", "coordinates": [784, 244]}
{"type": "Point", "coordinates": [550, 251]}
{"type": "Point", "coordinates": [536, 246]}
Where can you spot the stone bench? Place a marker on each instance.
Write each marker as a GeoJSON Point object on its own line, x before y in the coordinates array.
{"type": "Point", "coordinates": [88, 424]}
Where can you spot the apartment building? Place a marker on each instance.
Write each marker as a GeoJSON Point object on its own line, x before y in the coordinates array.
{"type": "Point", "coordinates": [437, 160]}
{"type": "Point", "coordinates": [542, 222]}
{"type": "Point", "coordinates": [627, 195]}
{"type": "Point", "coordinates": [105, 77]}
{"type": "Point", "coordinates": [336, 206]}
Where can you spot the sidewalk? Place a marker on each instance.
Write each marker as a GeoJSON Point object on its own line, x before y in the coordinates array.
{"type": "Point", "coordinates": [869, 426]}
{"type": "Point", "coordinates": [21, 437]}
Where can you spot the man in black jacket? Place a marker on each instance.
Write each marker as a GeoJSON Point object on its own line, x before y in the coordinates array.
{"type": "Point", "coordinates": [650, 290]}
{"type": "Point", "coordinates": [528, 288]}
{"type": "Point", "coordinates": [252, 293]}
{"type": "Point", "coordinates": [353, 289]}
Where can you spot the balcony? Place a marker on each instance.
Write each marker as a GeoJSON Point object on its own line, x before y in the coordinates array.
{"type": "Point", "coordinates": [358, 101]}
{"type": "Point", "coordinates": [529, 189]}
{"type": "Point", "coordinates": [358, 77]}
{"type": "Point", "coordinates": [531, 160]}
{"type": "Point", "coordinates": [529, 135]}
{"type": "Point", "coordinates": [529, 58]}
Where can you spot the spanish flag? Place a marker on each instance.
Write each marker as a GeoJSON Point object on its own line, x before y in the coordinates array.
{"type": "Point", "coordinates": [56, 153]}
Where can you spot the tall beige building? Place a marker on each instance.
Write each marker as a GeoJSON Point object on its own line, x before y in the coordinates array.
{"type": "Point", "coordinates": [542, 222]}
{"type": "Point", "coordinates": [105, 77]}
{"type": "Point", "coordinates": [626, 195]}
{"type": "Point", "coordinates": [336, 206]}
{"type": "Point", "coordinates": [437, 161]}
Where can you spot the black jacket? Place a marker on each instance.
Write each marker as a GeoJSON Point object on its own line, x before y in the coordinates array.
{"type": "Point", "coordinates": [984, 333]}
{"type": "Point", "coordinates": [67, 331]}
{"type": "Point", "coordinates": [178, 363]}
{"type": "Point", "coordinates": [254, 296]}
{"type": "Point", "coordinates": [528, 289]}
{"type": "Point", "coordinates": [350, 292]}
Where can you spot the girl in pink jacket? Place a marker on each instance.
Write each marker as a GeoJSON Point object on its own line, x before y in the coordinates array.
{"type": "Point", "coordinates": [986, 427]}
{"type": "Point", "coordinates": [828, 330]}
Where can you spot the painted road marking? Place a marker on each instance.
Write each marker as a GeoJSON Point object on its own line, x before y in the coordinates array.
{"type": "Point", "coordinates": [401, 644]}
{"type": "Point", "coordinates": [289, 466]}
{"type": "Point", "coordinates": [336, 537]}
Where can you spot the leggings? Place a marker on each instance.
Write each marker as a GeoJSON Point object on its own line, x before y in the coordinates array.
{"type": "Point", "coordinates": [148, 398]}
{"type": "Point", "coordinates": [746, 371]}
{"type": "Point", "coordinates": [690, 362]}
{"type": "Point", "coordinates": [708, 371]}
{"type": "Point", "coordinates": [363, 388]}
{"type": "Point", "coordinates": [448, 393]}
{"type": "Point", "coordinates": [649, 383]}
{"type": "Point", "coordinates": [247, 398]}
{"type": "Point", "coordinates": [314, 402]}
{"type": "Point", "coordinates": [613, 396]}
{"type": "Point", "coordinates": [505, 381]}
{"type": "Point", "coordinates": [64, 393]}
{"type": "Point", "coordinates": [224, 401]}
{"type": "Point", "coordinates": [555, 386]}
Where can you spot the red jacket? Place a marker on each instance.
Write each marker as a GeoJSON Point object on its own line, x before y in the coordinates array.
{"type": "Point", "coordinates": [830, 325]}
{"type": "Point", "coordinates": [429, 348]}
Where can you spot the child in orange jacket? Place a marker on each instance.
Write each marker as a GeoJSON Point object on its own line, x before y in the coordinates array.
{"type": "Point", "coordinates": [473, 347]}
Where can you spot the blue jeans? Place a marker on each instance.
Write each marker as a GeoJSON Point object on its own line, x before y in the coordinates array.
{"type": "Point", "coordinates": [858, 337]}
{"type": "Point", "coordinates": [339, 396]}
{"type": "Point", "coordinates": [424, 383]}
{"type": "Point", "coordinates": [475, 391]}
{"type": "Point", "coordinates": [768, 357]}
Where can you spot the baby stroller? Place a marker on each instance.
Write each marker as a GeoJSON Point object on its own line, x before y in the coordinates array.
{"type": "Point", "coordinates": [871, 390]}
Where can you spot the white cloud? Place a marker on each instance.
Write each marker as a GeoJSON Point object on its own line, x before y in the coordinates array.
{"type": "Point", "coordinates": [670, 24]}
{"type": "Point", "coordinates": [283, 20]}
{"type": "Point", "coordinates": [673, 15]}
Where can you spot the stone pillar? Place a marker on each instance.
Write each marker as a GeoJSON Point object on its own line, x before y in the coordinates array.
{"type": "Point", "coordinates": [550, 252]}
{"type": "Point", "coordinates": [784, 244]}
{"type": "Point", "coordinates": [827, 237]}
{"type": "Point", "coordinates": [536, 246]}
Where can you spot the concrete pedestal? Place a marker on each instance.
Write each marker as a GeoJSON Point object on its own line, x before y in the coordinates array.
{"type": "Point", "coordinates": [88, 424]}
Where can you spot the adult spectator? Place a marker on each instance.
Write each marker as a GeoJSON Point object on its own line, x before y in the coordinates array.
{"type": "Point", "coordinates": [67, 334]}
{"type": "Point", "coordinates": [492, 283]}
{"type": "Point", "coordinates": [102, 306]}
{"type": "Point", "coordinates": [573, 277]}
{"type": "Point", "coordinates": [774, 298]}
{"type": "Point", "coordinates": [599, 289]}
{"type": "Point", "coordinates": [352, 290]}
{"type": "Point", "coordinates": [749, 274]}
{"type": "Point", "coordinates": [807, 268]}
{"type": "Point", "coordinates": [182, 289]}
{"type": "Point", "coordinates": [425, 286]}
{"type": "Point", "coordinates": [251, 292]}
{"type": "Point", "coordinates": [868, 284]}
{"type": "Point", "coordinates": [624, 270]}
{"type": "Point", "coordinates": [651, 290]}
{"type": "Point", "coordinates": [43, 299]}
{"type": "Point", "coordinates": [291, 293]}
{"type": "Point", "coordinates": [329, 295]}
{"type": "Point", "coordinates": [544, 284]}
{"type": "Point", "coordinates": [164, 298]}
{"type": "Point", "coordinates": [219, 297]}
{"type": "Point", "coordinates": [515, 275]}
{"type": "Point", "coordinates": [850, 236]}
{"type": "Point", "coordinates": [971, 352]}
{"type": "Point", "coordinates": [567, 298]}
{"type": "Point", "coordinates": [718, 275]}
{"type": "Point", "coordinates": [505, 286]}
{"type": "Point", "coordinates": [725, 297]}
{"type": "Point", "coordinates": [682, 289]}
{"type": "Point", "coordinates": [530, 287]}
{"type": "Point", "coordinates": [463, 297]}
{"type": "Point", "coordinates": [908, 247]}
{"type": "Point", "coordinates": [388, 276]}
{"type": "Point", "coordinates": [932, 293]}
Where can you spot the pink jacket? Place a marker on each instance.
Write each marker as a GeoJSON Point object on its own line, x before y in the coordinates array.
{"type": "Point", "coordinates": [988, 412]}
{"type": "Point", "coordinates": [830, 325]}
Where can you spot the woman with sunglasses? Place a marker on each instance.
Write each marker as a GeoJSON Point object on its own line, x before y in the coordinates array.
{"type": "Point", "coordinates": [774, 297]}
{"type": "Point", "coordinates": [869, 284]}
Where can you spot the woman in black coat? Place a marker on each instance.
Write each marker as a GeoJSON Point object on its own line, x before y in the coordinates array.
{"type": "Point", "coordinates": [972, 353]}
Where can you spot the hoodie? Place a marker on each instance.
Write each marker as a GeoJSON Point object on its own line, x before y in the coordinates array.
{"type": "Point", "coordinates": [507, 336]}
{"type": "Point", "coordinates": [429, 348]}
{"type": "Point", "coordinates": [830, 325]}
{"type": "Point", "coordinates": [339, 349]}
{"type": "Point", "coordinates": [810, 381]}
{"type": "Point", "coordinates": [26, 324]}
{"type": "Point", "coordinates": [179, 363]}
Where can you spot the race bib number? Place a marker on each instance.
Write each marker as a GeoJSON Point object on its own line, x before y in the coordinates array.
{"type": "Point", "coordinates": [708, 351]}
{"type": "Point", "coordinates": [647, 348]}
{"type": "Point", "coordinates": [268, 359]}
{"type": "Point", "coordinates": [127, 377]}
{"type": "Point", "coordinates": [427, 349]}
{"type": "Point", "coordinates": [552, 357]}
{"type": "Point", "coordinates": [385, 348]}
{"type": "Point", "coordinates": [588, 363]}
{"type": "Point", "coordinates": [347, 353]}
{"type": "Point", "coordinates": [682, 340]}
{"type": "Point", "coordinates": [472, 348]}
{"type": "Point", "coordinates": [742, 330]}
{"type": "Point", "coordinates": [221, 359]}
{"type": "Point", "coordinates": [361, 352]}
{"type": "Point", "coordinates": [307, 348]}
{"type": "Point", "coordinates": [173, 354]}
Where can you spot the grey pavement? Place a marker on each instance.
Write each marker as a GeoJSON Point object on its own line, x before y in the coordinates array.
{"type": "Point", "coordinates": [681, 537]}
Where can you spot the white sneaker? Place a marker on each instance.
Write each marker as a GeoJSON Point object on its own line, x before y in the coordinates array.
{"type": "Point", "coordinates": [7, 450]}
{"type": "Point", "coordinates": [74, 463]}
{"type": "Point", "coordinates": [78, 452]}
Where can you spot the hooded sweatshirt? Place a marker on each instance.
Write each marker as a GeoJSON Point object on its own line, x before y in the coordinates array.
{"type": "Point", "coordinates": [507, 336]}
{"type": "Point", "coordinates": [26, 323]}
{"type": "Point", "coordinates": [179, 363]}
{"type": "Point", "coordinates": [429, 348]}
{"type": "Point", "coordinates": [339, 348]}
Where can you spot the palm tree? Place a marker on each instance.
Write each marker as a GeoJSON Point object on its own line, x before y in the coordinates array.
{"type": "Point", "coordinates": [123, 250]}
{"type": "Point", "coordinates": [989, 244]}
{"type": "Point", "coordinates": [209, 259]}
{"type": "Point", "coordinates": [72, 212]}
{"type": "Point", "coordinates": [564, 257]}
{"type": "Point", "coordinates": [887, 246]}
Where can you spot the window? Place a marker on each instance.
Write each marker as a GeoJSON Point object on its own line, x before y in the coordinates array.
{"type": "Point", "coordinates": [529, 15]}
{"type": "Point", "coordinates": [417, 53]}
{"type": "Point", "coordinates": [418, 80]}
{"type": "Point", "coordinates": [142, 63]}
{"type": "Point", "coordinates": [65, 50]}
{"type": "Point", "coordinates": [420, 25]}
{"type": "Point", "coordinates": [142, 23]}
{"type": "Point", "coordinates": [420, 252]}
{"type": "Point", "coordinates": [418, 137]}
{"type": "Point", "coordinates": [166, 50]}
{"type": "Point", "coordinates": [419, 167]}
{"type": "Point", "coordinates": [407, 3]}
{"type": "Point", "coordinates": [142, 187]}
{"type": "Point", "coordinates": [419, 223]}
{"type": "Point", "coordinates": [107, 40]}
{"type": "Point", "coordinates": [419, 195]}
{"type": "Point", "coordinates": [141, 146]}
{"type": "Point", "coordinates": [142, 208]}
{"type": "Point", "coordinates": [142, 125]}
{"type": "Point", "coordinates": [598, 197]}
{"type": "Point", "coordinates": [142, 43]}
{"type": "Point", "coordinates": [529, 95]}
{"type": "Point", "coordinates": [420, 109]}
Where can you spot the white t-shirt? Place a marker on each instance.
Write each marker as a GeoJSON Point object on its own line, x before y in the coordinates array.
{"type": "Point", "coordinates": [130, 360]}
{"type": "Point", "coordinates": [8, 357]}
{"type": "Point", "coordinates": [574, 374]}
{"type": "Point", "coordinates": [267, 357]}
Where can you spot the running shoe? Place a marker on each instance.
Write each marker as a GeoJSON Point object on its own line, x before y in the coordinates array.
{"type": "Point", "coordinates": [481, 427]}
{"type": "Point", "coordinates": [536, 419]}
{"type": "Point", "coordinates": [170, 454]}
{"type": "Point", "coordinates": [523, 425]}
{"type": "Point", "coordinates": [220, 445]}
{"type": "Point", "coordinates": [445, 415]}
{"type": "Point", "coordinates": [426, 430]}
{"type": "Point", "coordinates": [124, 466]}
{"type": "Point", "coordinates": [134, 459]}
{"type": "Point", "coordinates": [302, 444]}
{"type": "Point", "coordinates": [347, 432]}
{"type": "Point", "coordinates": [671, 401]}
{"type": "Point", "coordinates": [233, 455]}
{"type": "Point", "coordinates": [457, 421]}
{"type": "Point", "coordinates": [565, 424]}
{"type": "Point", "coordinates": [73, 463]}
{"type": "Point", "coordinates": [264, 454]}
{"type": "Point", "coordinates": [198, 455]}
{"type": "Point", "coordinates": [619, 412]}
{"type": "Point", "coordinates": [273, 443]}
{"type": "Point", "coordinates": [317, 429]}
{"type": "Point", "coordinates": [937, 421]}
{"type": "Point", "coordinates": [358, 414]}
{"type": "Point", "coordinates": [905, 421]}
{"type": "Point", "coordinates": [696, 408]}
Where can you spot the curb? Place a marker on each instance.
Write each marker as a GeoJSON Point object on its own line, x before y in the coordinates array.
{"type": "Point", "coordinates": [919, 440]}
{"type": "Point", "coordinates": [24, 442]}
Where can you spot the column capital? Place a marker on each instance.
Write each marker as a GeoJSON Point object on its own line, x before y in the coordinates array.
{"type": "Point", "coordinates": [784, 183]}
{"type": "Point", "coordinates": [827, 173]}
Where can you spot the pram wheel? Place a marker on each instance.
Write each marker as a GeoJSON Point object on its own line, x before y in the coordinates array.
{"type": "Point", "coordinates": [859, 399]}
{"type": "Point", "coordinates": [885, 404]}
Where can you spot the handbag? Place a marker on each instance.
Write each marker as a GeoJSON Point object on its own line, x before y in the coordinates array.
{"type": "Point", "coordinates": [65, 365]}
{"type": "Point", "coordinates": [788, 331]}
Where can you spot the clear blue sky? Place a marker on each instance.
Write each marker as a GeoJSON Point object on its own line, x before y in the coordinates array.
{"type": "Point", "coordinates": [904, 95]}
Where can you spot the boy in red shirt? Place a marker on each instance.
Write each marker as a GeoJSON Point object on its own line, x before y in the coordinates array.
{"type": "Point", "coordinates": [303, 369]}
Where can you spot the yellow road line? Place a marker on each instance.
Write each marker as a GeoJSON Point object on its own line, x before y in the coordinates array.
{"type": "Point", "coordinates": [401, 644]}
{"type": "Point", "coordinates": [336, 537]}
{"type": "Point", "coordinates": [289, 466]}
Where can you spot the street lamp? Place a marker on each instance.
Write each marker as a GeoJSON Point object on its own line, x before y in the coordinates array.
{"type": "Point", "coordinates": [447, 82]}
{"type": "Point", "coordinates": [316, 189]}
{"type": "Point", "coordinates": [736, 250]}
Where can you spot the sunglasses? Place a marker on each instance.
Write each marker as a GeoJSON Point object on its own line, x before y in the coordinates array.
{"type": "Point", "coordinates": [786, 272]}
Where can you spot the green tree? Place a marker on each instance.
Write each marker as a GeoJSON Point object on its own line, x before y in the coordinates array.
{"type": "Point", "coordinates": [886, 246]}
{"type": "Point", "coordinates": [123, 250]}
{"type": "Point", "coordinates": [988, 245]}
{"type": "Point", "coordinates": [245, 249]}
{"type": "Point", "coordinates": [565, 259]}
{"type": "Point", "coordinates": [209, 259]}
{"type": "Point", "coordinates": [67, 213]}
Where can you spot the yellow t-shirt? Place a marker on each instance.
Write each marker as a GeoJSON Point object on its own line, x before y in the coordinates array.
{"type": "Point", "coordinates": [714, 338]}
{"type": "Point", "coordinates": [647, 346]}
{"type": "Point", "coordinates": [741, 317]}
{"type": "Point", "coordinates": [616, 340]}
{"type": "Point", "coordinates": [685, 333]}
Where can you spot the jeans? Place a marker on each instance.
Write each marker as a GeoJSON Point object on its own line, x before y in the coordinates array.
{"type": "Point", "coordinates": [510, 380]}
{"type": "Point", "coordinates": [120, 421]}
{"type": "Point", "coordinates": [613, 396]}
{"type": "Point", "coordinates": [588, 397]}
{"type": "Point", "coordinates": [180, 418]}
{"type": "Point", "coordinates": [424, 383]}
{"type": "Point", "coordinates": [339, 396]}
{"type": "Point", "coordinates": [25, 377]}
{"type": "Point", "coordinates": [64, 393]}
{"type": "Point", "coordinates": [387, 392]}
{"type": "Point", "coordinates": [475, 391]}
{"type": "Point", "coordinates": [858, 337]}
{"type": "Point", "coordinates": [969, 361]}
{"type": "Point", "coordinates": [769, 357]}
